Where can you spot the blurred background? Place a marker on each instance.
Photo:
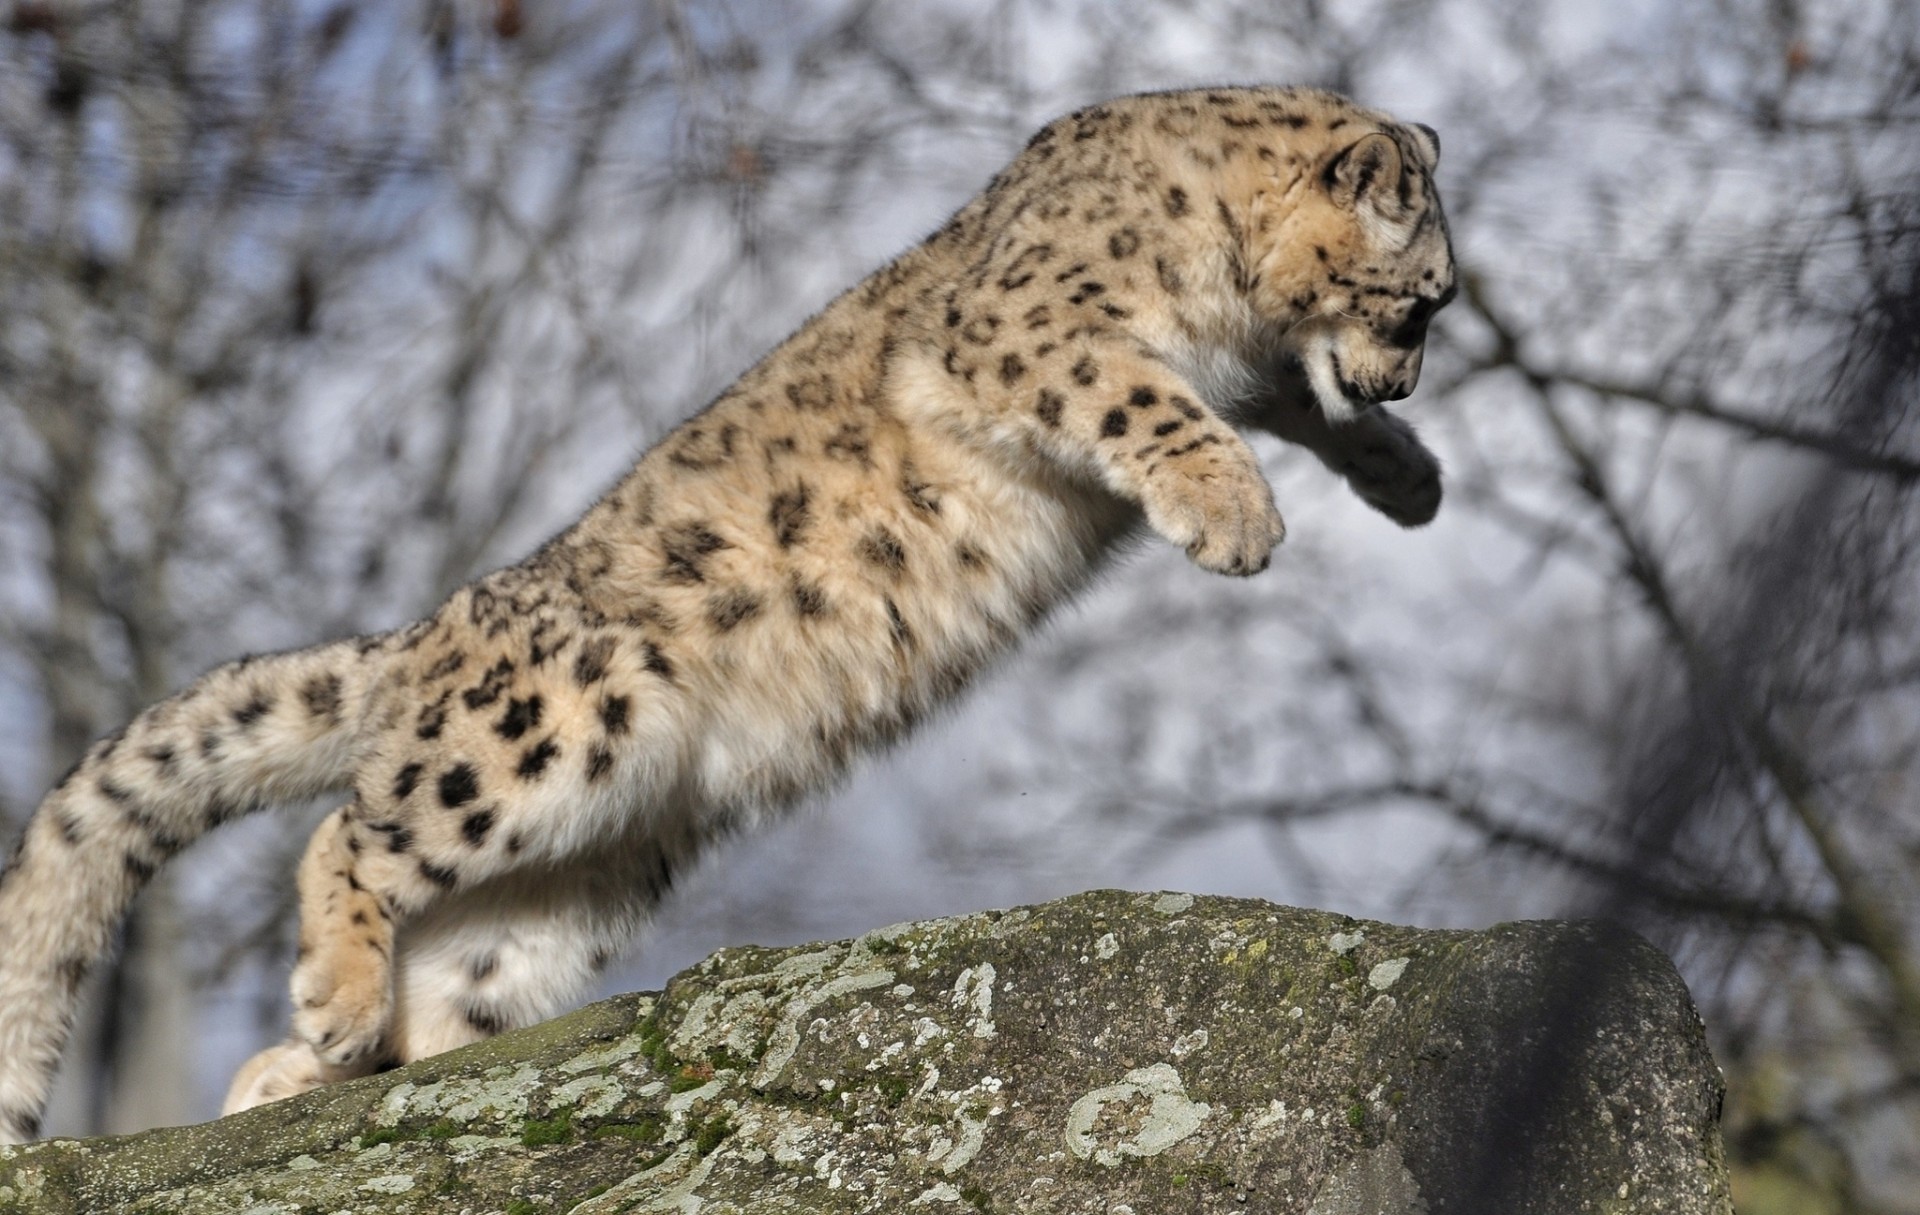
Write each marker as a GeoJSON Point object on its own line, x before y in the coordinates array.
{"type": "Point", "coordinates": [312, 309]}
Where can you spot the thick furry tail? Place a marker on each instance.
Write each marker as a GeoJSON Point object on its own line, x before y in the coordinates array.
{"type": "Point", "coordinates": [260, 730]}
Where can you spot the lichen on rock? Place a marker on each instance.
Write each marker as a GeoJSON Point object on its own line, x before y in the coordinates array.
{"type": "Point", "coordinates": [1104, 1052]}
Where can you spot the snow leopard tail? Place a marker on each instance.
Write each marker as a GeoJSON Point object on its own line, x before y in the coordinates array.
{"type": "Point", "coordinates": [256, 731]}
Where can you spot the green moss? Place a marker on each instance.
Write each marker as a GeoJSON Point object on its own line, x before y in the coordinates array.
{"type": "Point", "coordinates": [722, 1058]}
{"type": "Point", "coordinates": [641, 1130]}
{"type": "Point", "coordinates": [690, 1077]}
{"type": "Point", "coordinates": [451, 1184]}
{"type": "Point", "coordinates": [1357, 1115]}
{"type": "Point", "coordinates": [976, 1197]}
{"type": "Point", "coordinates": [653, 1040]}
{"type": "Point", "coordinates": [558, 1129]}
{"type": "Point", "coordinates": [412, 1132]}
{"type": "Point", "coordinates": [711, 1133]}
{"type": "Point", "coordinates": [521, 1206]}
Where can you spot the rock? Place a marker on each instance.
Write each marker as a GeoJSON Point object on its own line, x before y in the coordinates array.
{"type": "Point", "coordinates": [1110, 1053]}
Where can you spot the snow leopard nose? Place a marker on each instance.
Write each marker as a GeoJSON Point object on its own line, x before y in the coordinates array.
{"type": "Point", "coordinates": [1406, 378]}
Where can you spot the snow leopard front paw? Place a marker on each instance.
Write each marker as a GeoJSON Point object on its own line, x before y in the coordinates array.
{"type": "Point", "coordinates": [1390, 468]}
{"type": "Point", "coordinates": [1216, 504]}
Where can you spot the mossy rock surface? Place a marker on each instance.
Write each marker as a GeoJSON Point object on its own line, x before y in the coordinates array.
{"type": "Point", "coordinates": [1110, 1053]}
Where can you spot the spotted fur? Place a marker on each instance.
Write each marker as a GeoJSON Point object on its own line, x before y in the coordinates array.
{"type": "Point", "coordinates": [879, 508]}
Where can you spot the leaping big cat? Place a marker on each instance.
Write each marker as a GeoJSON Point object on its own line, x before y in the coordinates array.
{"type": "Point", "coordinates": [881, 507]}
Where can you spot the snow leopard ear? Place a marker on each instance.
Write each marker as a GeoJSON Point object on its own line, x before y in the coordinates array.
{"type": "Point", "coordinates": [1366, 171]}
{"type": "Point", "coordinates": [1427, 141]}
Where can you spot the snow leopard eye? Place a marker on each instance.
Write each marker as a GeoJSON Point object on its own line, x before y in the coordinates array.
{"type": "Point", "coordinates": [1412, 330]}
